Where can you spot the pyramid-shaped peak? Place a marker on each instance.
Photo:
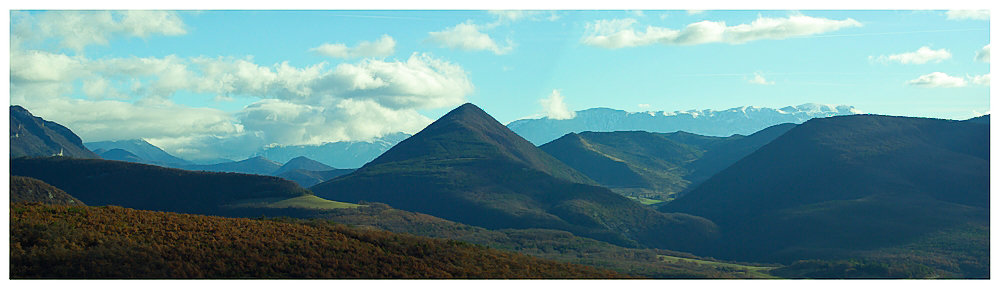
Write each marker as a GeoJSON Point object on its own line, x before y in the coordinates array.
{"type": "Point", "coordinates": [468, 132]}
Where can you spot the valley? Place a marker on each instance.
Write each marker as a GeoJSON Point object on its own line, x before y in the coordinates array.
{"type": "Point", "coordinates": [802, 200]}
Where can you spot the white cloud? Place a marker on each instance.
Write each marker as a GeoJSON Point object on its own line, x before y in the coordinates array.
{"type": "Point", "coordinates": [78, 29]}
{"type": "Point", "coordinates": [759, 79]}
{"type": "Point", "coordinates": [555, 106]}
{"type": "Point", "coordinates": [921, 56]}
{"type": "Point", "coordinates": [420, 82]}
{"type": "Point", "coordinates": [983, 80]}
{"type": "Point", "coordinates": [283, 122]}
{"type": "Point", "coordinates": [937, 79]}
{"type": "Point", "coordinates": [384, 46]}
{"type": "Point", "coordinates": [508, 16]}
{"type": "Point", "coordinates": [693, 12]}
{"type": "Point", "coordinates": [968, 14]}
{"type": "Point", "coordinates": [983, 54]}
{"type": "Point", "coordinates": [637, 13]}
{"type": "Point", "coordinates": [466, 36]}
{"type": "Point", "coordinates": [644, 105]}
{"type": "Point", "coordinates": [618, 33]}
{"type": "Point", "coordinates": [40, 66]}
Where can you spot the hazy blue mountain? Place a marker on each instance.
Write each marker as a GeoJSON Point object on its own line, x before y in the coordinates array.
{"type": "Point", "coordinates": [142, 149]}
{"type": "Point", "coordinates": [302, 163]}
{"type": "Point", "coordinates": [254, 165]}
{"type": "Point", "coordinates": [741, 120]}
{"type": "Point", "coordinates": [119, 155]}
{"type": "Point", "coordinates": [353, 154]}
{"type": "Point", "coordinates": [34, 136]}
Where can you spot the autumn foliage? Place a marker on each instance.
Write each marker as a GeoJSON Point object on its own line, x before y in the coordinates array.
{"type": "Point", "coordinates": [56, 241]}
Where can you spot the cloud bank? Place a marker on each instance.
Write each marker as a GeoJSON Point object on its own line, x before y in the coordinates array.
{"type": "Point", "coordinates": [466, 36]}
{"type": "Point", "coordinates": [921, 56]}
{"type": "Point", "coordinates": [384, 46]}
{"type": "Point", "coordinates": [968, 14]}
{"type": "Point", "coordinates": [983, 55]}
{"type": "Point", "coordinates": [619, 33]}
{"type": "Point", "coordinates": [937, 79]}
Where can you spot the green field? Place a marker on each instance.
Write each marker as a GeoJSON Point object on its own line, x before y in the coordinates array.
{"type": "Point", "coordinates": [308, 201]}
{"type": "Point", "coordinates": [646, 201]}
{"type": "Point", "coordinates": [755, 271]}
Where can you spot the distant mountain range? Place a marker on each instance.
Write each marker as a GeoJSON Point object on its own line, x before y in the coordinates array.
{"type": "Point", "coordinates": [655, 165]}
{"type": "Point", "coordinates": [741, 120]}
{"type": "Point", "coordinates": [148, 153]}
{"type": "Point", "coordinates": [853, 187]}
{"type": "Point", "coordinates": [34, 136]}
{"type": "Point", "coordinates": [469, 168]}
{"type": "Point", "coordinates": [348, 154]}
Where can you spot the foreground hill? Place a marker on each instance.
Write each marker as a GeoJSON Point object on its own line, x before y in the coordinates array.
{"type": "Point", "coordinates": [147, 152]}
{"type": "Point", "coordinates": [34, 136]}
{"type": "Point", "coordinates": [24, 189]}
{"type": "Point", "coordinates": [148, 187]}
{"type": "Point", "coordinates": [741, 120]}
{"type": "Point", "coordinates": [856, 186]}
{"type": "Point", "coordinates": [654, 165]}
{"type": "Point", "coordinates": [467, 167]}
{"type": "Point", "coordinates": [51, 241]}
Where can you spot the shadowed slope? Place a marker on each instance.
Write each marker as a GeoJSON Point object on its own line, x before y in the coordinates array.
{"type": "Point", "coordinates": [467, 167]}
{"type": "Point", "coordinates": [843, 186]}
{"type": "Point", "coordinates": [25, 189]}
{"type": "Point", "coordinates": [34, 136]}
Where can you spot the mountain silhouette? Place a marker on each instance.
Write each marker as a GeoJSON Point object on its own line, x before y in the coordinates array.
{"type": "Point", "coordinates": [469, 168]}
{"type": "Point", "coordinates": [302, 163]}
{"type": "Point", "coordinates": [142, 149]}
{"type": "Point", "coordinates": [306, 178]}
{"type": "Point", "coordinates": [854, 186]}
{"type": "Point", "coordinates": [254, 165]}
{"type": "Point", "coordinates": [34, 136]}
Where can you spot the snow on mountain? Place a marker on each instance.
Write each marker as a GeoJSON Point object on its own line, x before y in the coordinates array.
{"type": "Point", "coordinates": [740, 120]}
{"type": "Point", "coordinates": [353, 154]}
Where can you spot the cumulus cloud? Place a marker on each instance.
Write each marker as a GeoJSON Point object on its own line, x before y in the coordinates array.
{"type": "Point", "coordinates": [921, 56]}
{"type": "Point", "coordinates": [384, 46]}
{"type": "Point", "coordinates": [644, 105]}
{"type": "Point", "coordinates": [78, 29]}
{"type": "Point", "coordinates": [968, 14]}
{"type": "Point", "coordinates": [937, 79]}
{"type": "Point", "coordinates": [466, 36]}
{"type": "Point", "coordinates": [981, 79]}
{"type": "Point", "coordinates": [758, 78]}
{"type": "Point", "coordinates": [694, 12]}
{"type": "Point", "coordinates": [618, 33]}
{"type": "Point", "coordinates": [983, 54]}
{"type": "Point", "coordinates": [554, 106]}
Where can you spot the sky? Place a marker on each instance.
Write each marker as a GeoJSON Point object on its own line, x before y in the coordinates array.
{"type": "Point", "coordinates": [222, 83]}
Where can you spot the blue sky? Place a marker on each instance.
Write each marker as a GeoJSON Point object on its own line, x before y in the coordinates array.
{"type": "Point", "coordinates": [223, 83]}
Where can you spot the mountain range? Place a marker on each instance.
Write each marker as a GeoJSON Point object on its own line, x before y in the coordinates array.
{"type": "Point", "coordinates": [34, 136]}
{"type": "Point", "coordinates": [852, 187]}
{"type": "Point", "coordinates": [346, 154]}
{"type": "Point", "coordinates": [146, 152]}
{"type": "Point", "coordinates": [744, 120]}
{"type": "Point", "coordinates": [469, 168]}
{"type": "Point", "coordinates": [654, 165]}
